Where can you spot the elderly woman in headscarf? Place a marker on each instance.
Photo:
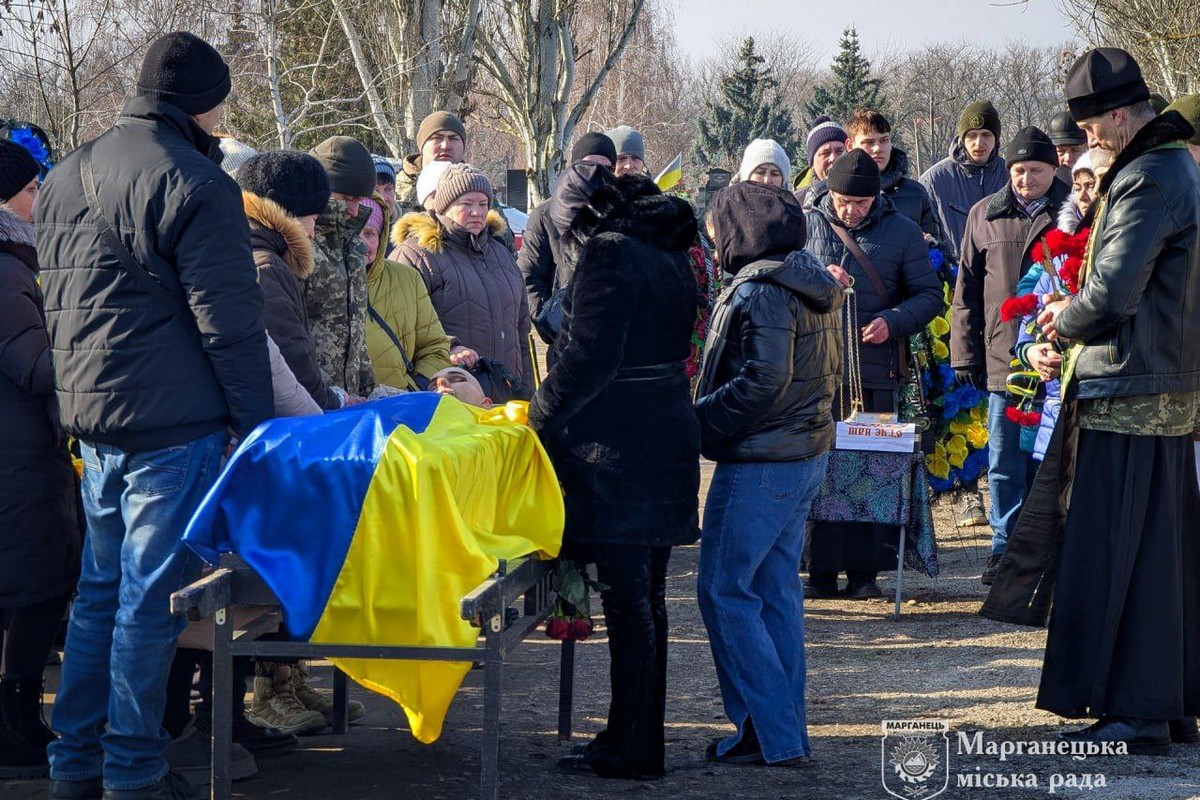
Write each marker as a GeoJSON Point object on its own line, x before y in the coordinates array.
{"type": "Point", "coordinates": [470, 274]}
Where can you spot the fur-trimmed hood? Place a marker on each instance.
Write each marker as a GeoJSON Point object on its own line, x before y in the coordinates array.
{"type": "Point", "coordinates": [297, 249]}
{"type": "Point", "coordinates": [430, 233]}
{"type": "Point", "coordinates": [15, 230]}
{"type": "Point", "coordinates": [634, 206]}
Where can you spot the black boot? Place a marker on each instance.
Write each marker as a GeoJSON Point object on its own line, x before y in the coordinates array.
{"type": "Point", "coordinates": [29, 718]}
{"type": "Point", "coordinates": [1184, 731]}
{"type": "Point", "coordinates": [20, 759]}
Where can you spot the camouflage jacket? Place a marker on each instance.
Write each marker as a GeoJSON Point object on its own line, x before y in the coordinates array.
{"type": "Point", "coordinates": [335, 297]}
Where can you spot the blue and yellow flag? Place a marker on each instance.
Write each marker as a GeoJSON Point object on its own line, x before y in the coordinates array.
{"type": "Point", "coordinates": [371, 524]}
{"type": "Point", "coordinates": [671, 174]}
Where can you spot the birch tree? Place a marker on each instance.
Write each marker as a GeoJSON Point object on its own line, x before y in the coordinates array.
{"type": "Point", "coordinates": [529, 52]}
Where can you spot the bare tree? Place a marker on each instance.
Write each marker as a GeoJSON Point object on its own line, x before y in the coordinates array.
{"type": "Point", "coordinates": [529, 51]}
{"type": "Point", "coordinates": [1163, 35]}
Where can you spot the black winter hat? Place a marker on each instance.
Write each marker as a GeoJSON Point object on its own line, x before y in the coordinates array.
{"type": "Point", "coordinates": [593, 144]}
{"type": "Point", "coordinates": [17, 168]}
{"type": "Point", "coordinates": [1031, 144]}
{"type": "Point", "coordinates": [350, 167]}
{"type": "Point", "coordinates": [754, 221]}
{"type": "Point", "coordinates": [854, 174]}
{"type": "Point", "coordinates": [294, 180]}
{"type": "Point", "coordinates": [184, 70]}
{"type": "Point", "coordinates": [1102, 79]}
{"type": "Point", "coordinates": [1062, 130]}
{"type": "Point", "coordinates": [978, 116]}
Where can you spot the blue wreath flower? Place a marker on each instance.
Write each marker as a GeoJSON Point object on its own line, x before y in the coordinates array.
{"type": "Point", "coordinates": [33, 143]}
{"type": "Point", "coordinates": [941, 484]}
{"type": "Point", "coordinates": [936, 258]}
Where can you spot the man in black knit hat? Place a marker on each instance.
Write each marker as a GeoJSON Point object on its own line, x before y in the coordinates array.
{"type": "Point", "coordinates": [1000, 234]}
{"type": "Point", "coordinates": [1124, 639]}
{"type": "Point", "coordinates": [898, 295]}
{"type": "Point", "coordinates": [160, 358]}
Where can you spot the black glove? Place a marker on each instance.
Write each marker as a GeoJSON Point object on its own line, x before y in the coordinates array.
{"type": "Point", "coordinates": [972, 376]}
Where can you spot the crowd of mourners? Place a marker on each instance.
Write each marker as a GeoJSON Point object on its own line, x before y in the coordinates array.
{"type": "Point", "coordinates": [164, 289]}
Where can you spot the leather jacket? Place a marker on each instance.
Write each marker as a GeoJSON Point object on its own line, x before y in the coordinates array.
{"type": "Point", "coordinates": [772, 362]}
{"type": "Point", "coordinates": [1138, 311]}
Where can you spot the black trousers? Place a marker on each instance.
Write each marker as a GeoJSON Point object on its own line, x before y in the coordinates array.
{"type": "Point", "coordinates": [28, 635]}
{"type": "Point", "coordinates": [635, 614]}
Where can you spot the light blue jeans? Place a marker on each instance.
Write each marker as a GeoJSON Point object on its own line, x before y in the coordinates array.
{"type": "Point", "coordinates": [752, 600]}
{"type": "Point", "coordinates": [1010, 471]}
{"type": "Point", "coordinates": [121, 637]}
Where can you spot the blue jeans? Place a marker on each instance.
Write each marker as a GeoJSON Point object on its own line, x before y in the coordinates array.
{"type": "Point", "coordinates": [1010, 471]}
{"type": "Point", "coordinates": [752, 600]}
{"type": "Point", "coordinates": [121, 637]}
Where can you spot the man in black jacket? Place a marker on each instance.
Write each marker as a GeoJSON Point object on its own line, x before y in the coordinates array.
{"type": "Point", "coordinates": [1124, 641]}
{"type": "Point", "coordinates": [160, 356]}
{"type": "Point", "coordinates": [771, 364]}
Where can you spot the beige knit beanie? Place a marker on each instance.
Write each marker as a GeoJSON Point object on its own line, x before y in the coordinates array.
{"type": "Point", "coordinates": [456, 181]}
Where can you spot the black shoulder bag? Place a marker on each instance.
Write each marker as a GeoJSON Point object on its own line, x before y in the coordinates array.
{"type": "Point", "coordinates": [421, 381]}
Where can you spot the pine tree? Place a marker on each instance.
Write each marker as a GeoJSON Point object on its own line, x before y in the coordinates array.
{"type": "Point", "coordinates": [748, 107]}
{"type": "Point", "coordinates": [850, 84]}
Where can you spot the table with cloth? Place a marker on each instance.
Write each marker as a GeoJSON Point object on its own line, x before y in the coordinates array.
{"type": "Point", "coordinates": [884, 488]}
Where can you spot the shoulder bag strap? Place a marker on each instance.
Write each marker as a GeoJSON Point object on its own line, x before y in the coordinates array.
{"type": "Point", "coordinates": [375, 315]}
{"type": "Point", "coordinates": [864, 262]}
{"type": "Point", "coordinates": [177, 303]}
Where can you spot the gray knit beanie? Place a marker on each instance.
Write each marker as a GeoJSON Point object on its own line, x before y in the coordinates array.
{"type": "Point", "coordinates": [627, 141]}
{"type": "Point", "coordinates": [457, 180]}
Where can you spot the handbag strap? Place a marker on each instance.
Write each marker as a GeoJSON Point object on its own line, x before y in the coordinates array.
{"type": "Point", "coordinates": [864, 262]}
{"type": "Point", "coordinates": [375, 315]}
{"type": "Point", "coordinates": [108, 237]}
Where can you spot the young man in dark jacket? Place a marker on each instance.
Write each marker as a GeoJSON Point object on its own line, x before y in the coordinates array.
{"type": "Point", "coordinates": [160, 355]}
{"type": "Point", "coordinates": [996, 253]}
{"type": "Point", "coordinates": [771, 365]}
{"type": "Point", "coordinates": [898, 299]}
{"type": "Point", "coordinates": [1124, 640]}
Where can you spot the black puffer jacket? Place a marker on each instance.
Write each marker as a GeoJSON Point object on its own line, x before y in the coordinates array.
{"type": "Point", "coordinates": [899, 254]}
{"type": "Point", "coordinates": [771, 363]}
{"type": "Point", "coordinates": [40, 527]}
{"type": "Point", "coordinates": [130, 370]}
{"type": "Point", "coordinates": [909, 196]}
{"type": "Point", "coordinates": [1138, 312]}
{"type": "Point", "coordinates": [615, 411]}
{"type": "Point", "coordinates": [955, 184]}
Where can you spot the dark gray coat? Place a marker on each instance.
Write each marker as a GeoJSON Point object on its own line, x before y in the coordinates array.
{"type": "Point", "coordinates": [896, 248]}
{"type": "Point", "coordinates": [955, 184]}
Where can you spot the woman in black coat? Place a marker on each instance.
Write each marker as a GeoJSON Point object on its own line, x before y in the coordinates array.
{"type": "Point", "coordinates": [899, 300]}
{"type": "Point", "coordinates": [39, 516]}
{"type": "Point", "coordinates": [616, 416]}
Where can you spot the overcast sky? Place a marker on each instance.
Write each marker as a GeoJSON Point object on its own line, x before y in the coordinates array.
{"type": "Point", "coordinates": [883, 25]}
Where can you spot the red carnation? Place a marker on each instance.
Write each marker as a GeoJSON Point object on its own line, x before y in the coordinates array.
{"type": "Point", "coordinates": [1018, 307]}
{"type": "Point", "coordinates": [558, 627]}
{"type": "Point", "coordinates": [1026, 419]}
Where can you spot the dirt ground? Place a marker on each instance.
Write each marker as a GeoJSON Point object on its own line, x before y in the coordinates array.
{"type": "Point", "coordinates": [940, 661]}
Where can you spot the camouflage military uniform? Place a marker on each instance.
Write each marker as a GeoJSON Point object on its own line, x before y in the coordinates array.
{"type": "Point", "coordinates": [1142, 415]}
{"type": "Point", "coordinates": [335, 297]}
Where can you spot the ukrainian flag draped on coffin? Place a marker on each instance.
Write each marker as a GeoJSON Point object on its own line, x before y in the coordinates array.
{"type": "Point", "coordinates": [371, 524]}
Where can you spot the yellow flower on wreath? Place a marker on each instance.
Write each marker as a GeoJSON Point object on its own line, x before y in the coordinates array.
{"type": "Point", "coordinates": [979, 414]}
{"type": "Point", "coordinates": [956, 450]}
{"type": "Point", "coordinates": [940, 351]}
{"type": "Point", "coordinates": [938, 466]}
{"type": "Point", "coordinates": [939, 327]}
{"type": "Point", "coordinates": [977, 435]}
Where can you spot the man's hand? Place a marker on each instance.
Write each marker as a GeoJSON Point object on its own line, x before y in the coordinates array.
{"type": "Point", "coordinates": [876, 333]}
{"type": "Point", "coordinates": [1045, 360]}
{"type": "Point", "coordinates": [972, 376]}
{"type": "Point", "coordinates": [840, 275]}
{"type": "Point", "coordinates": [463, 357]}
{"type": "Point", "coordinates": [353, 400]}
{"type": "Point", "coordinates": [1048, 319]}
